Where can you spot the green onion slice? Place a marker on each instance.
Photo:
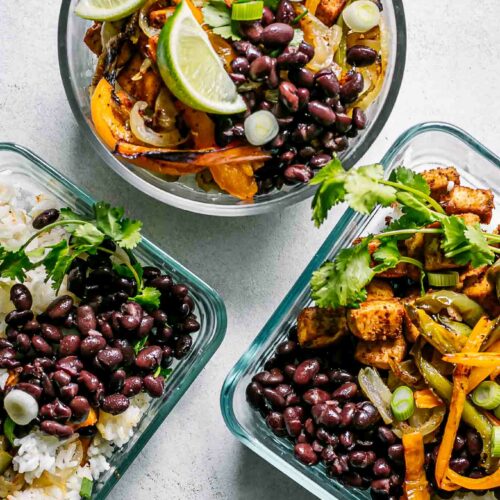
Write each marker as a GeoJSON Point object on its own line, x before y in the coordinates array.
{"type": "Point", "coordinates": [247, 11]}
{"type": "Point", "coordinates": [495, 441]}
{"type": "Point", "coordinates": [86, 488]}
{"type": "Point", "coordinates": [443, 279]}
{"type": "Point", "coordinates": [497, 412]}
{"type": "Point", "coordinates": [487, 395]}
{"type": "Point", "coordinates": [361, 16]}
{"type": "Point", "coordinates": [402, 403]}
{"type": "Point", "coordinates": [8, 429]}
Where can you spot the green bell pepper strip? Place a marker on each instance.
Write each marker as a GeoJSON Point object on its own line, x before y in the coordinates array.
{"type": "Point", "coordinates": [470, 415]}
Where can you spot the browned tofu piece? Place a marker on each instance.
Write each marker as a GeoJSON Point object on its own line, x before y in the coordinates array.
{"type": "Point", "coordinates": [462, 199]}
{"type": "Point", "coordinates": [480, 289]}
{"type": "Point", "coordinates": [379, 289]}
{"type": "Point", "coordinates": [470, 219]}
{"type": "Point", "coordinates": [377, 320]}
{"type": "Point", "coordinates": [378, 354]}
{"type": "Point", "coordinates": [439, 180]}
{"type": "Point", "coordinates": [400, 271]}
{"type": "Point", "coordinates": [145, 88]}
{"type": "Point", "coordinates": [410, 331]}
{"type": "Point", "coordinates": [328, 11]}
{"type": "Point", "coordinates": [415, 246]}
{"type": "Point", "coordinates": [317, 327]}
{"type": "Point", "coordinates": [92, 38]}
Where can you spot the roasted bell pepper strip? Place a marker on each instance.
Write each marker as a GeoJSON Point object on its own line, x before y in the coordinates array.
{"type": "Point", "coordinates": [457, 404]}
{"type": "Point", "coordinates": [444, 340]}
{"type": "Point", "coordinates": [201, 126]}
{"type": "Point", "coordinates": [483, 483]}
{"type": "Point", "coordinates": [478, 374]}
{"type": "Point", "coordinates": [443, 387]}
{"type": "Point", "coordinates": [426, 398]}
{"type": "Point", "coordinates": [415, 486]}
{"type": "Point", "coordinates": [90, 420]}
{"type": "Point", "coordinates": [237, 180]}
{"type": "Point", "coordinates": [481, 359]}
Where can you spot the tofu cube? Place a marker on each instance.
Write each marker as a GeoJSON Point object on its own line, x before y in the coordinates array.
{"type": "Point", "coordinates": [440, 179]}
{"type": "Point", "coordinates": [318, 327]}
{"type": "Point", "coordinates": [378, 354]}
{"type": "Point", "coordinates": [462, 199]}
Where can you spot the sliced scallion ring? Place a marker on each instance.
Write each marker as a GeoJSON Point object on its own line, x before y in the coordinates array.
{"type": "Point", "coordinates": [361, 16]}
{"type": "Point", "coordinates": [402, 403]}
{"type": "Point", "coordinates": [487, 395]}
{"type": "Point", "coordinates": [261, 127]}
{"type": "Point", "coordinates": [443, 279]}
{"type": "Point", "coordinates": [247, 11]}
{"type": "Point", "coordinates": [495, 441]}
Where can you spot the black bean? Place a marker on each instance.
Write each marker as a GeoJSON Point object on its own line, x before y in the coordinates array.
{"type": "Point", "coordinates": [358, 118]}
{"type": "Point", "coordinates": [346, 391]}
{"type": "Point", "coordinates": [381, 488]}
{"type": "Point", "coordinates": [276, 400]}
{"type": "Point", "coordinates": [351, 87]}
{"type": "Point", "coordinates": [459, 443]}
{"type": "Point", "coordinates": [277, 35]}
{"type": "Point", "coordinates": [162, 283]}
{"type": "Point", "coordinates": [189, 325]}
{"type": "Point", "coordinates": [126, 285]}
{"type": "Point", "coordinates": [381, 468]}
{"type": "Point", "coordinates": [88, 380]}
{"type": "Point", "coordinates": [154, 385]}
{"type": "Point", "coordinates": [306, 371]}
{"type": "Point", "coordinates": [240, 65]}
{"type": "Point", "coordinates": [276, 423]}
{"type": "Point", "coordinates": [31, 327]}
{"type": "Point", "coordinates": [347, 414]}
{"type": "Point", "coordinates": [109, 358]}
{"type": "Point", "coordinates": [85, 319]}
{"type": "Point", "coordinates": [51, 332]}
{"type": "Point", "coordinates": [21, 297]}
{"type": "Point", "coordinates": [347, 440]}
{"type": "Point", "coordinates": [18, 318]}
{"type": "Point", "coordinates": [320, 160]}
{"type": "Point", "coordinates": [386, 435]}
{"type": "Point", "coordinates": [70, 364]}
{"type": "Point", "coordinates": [305, 453]}
{"type": "Point", "coordinates": [267, 16]}
{"type": "Point", "coordinates": [55, 411]}
{"type": "Point", "coordinates": [131, 315]}
{"type": "Point", "coordinates": [149, 358]}
{"type": "Point", "coordinates": [32, 389]}
{"type": "Point", "coordinates": [80, 407]}
{"type": "Point", "coordinates": [339, 466]}
{"type": "Point", "coordinates": [92, 344]}
{"type": "Point", "coordinates": [396, 453]}
{"type": "Point", "coordinates": [60, 307]}
{"type": "Point", "coordinates": [61, 378]}
{"type": "Point", "coordinates": [45, 218]}
{"type": "Point", "coordinates": [360, 55]}
{"type": "Point", "coordinates": [326, 414]}
{"type": "Point", "coordinates": [68, 392]}
{"type": "Point", "coordinates": [252, 30]}
{"type": "Point", "coordinates": [361, 459]}
{"type": "Point", "coordinates": [459, 465]}
{"type": "Point", "coordinates": [132, 386]}
{"type": "Point", "coordinates": [306, 49]}
{"type": "Point", "coordinates": [365, 416]}
{"type": "Point", "coordinates": [160, 318]}
{"type": "Point", "coordinates": [328, 82]}
{"type": "Point", "coordinates": [321, 113]}
{"type": "Point", "coordinates": [285, 13]}
{"type": "Point", "coordinates": [260, 68]}
{"type": "Point", "coordinates": [301, 77]}
{"type": "Point", "coordinates": [126, 349]}
{"type": "Point", "coordinates": [55, 428]}
{"type": "Point", "coordinates": [115, 404]}
{"type": "Point", "coordinates": [291, 58]}
{"type": "Point", "coordinates": [149, 273]}
{"type": "Point", "coordinates": [23, 342]}
{"type": "Point", "coordinates": [145, 326]}
{"type": "Point", "coordinates": [40, 345]}
{"type": "Point", "coordinates": [70, 344]}
{"type": "Point", "coordinates": [315, 396]}
{"type": "Point", "coordinates": [473, 442]}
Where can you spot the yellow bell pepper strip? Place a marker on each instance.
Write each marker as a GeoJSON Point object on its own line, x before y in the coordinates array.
{"type": "Point", "coordinates": [478, 374]}
{"type": "Point", "coordinates": [426, 398]}
{"type": "Point", "coordinates": [90, 420]}
{"type": "Point", "coordinates": [238, 180]}
{"type": "Point", "coordinates": [457, 404]}
{"type": "Point", "coordinates": [479, 359]}
{"type": "Point", "coordinates": [415, 485]}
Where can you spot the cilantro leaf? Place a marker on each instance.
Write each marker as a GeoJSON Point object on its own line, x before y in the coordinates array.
{"type": "Point", "coordinates": [140, 344]}
{"type": "Point", "coordinates": [130, 234]}
{"type": "Point", "coordinates": [387, 254]}
{"type": "Point", "coordinates": [57, 263]}
{"type": "Point", "coordinates": [68, 214]}
{"type": "Point", "coordinates": [14, 264]}
{"type": "Point", "coordinates": [88, 234]}
{"type": "Point", "coordinates": [331, 190]}
{"type": "Point", "coordinates": [465, 243]}
{"type": "Point", "coordinates": [342, 282]}
{"type": "Point", "coordinates": [411, 179]}
{"type": "Point", "coordinates": [163, 372]}
{"type": "Point", "coordinates": [364, 191]}
{"type": "Point", "coordinates": [218, 16]}
{"type": "Point", "coordinates": [416, 211]}
{"type": "Point", "coordinates": [110, 221]}
{"type": "Point", "coordinates": [149, 297]}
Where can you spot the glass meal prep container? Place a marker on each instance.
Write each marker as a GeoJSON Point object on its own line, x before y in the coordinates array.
{"type": "Point", "coordinates": [20, 166]}
{"type": "Point", "coordinates": [77, 63]}
{"type": "Point", "coordinates": [421, 147]}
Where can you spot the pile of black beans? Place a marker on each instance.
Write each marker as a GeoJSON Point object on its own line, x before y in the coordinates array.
{"type": "Point", "coordinates": [310, 108]}
{"type": "Point", "coordinates": [314, 400]}
{"type": "Point", "coordinates": [76, 356]}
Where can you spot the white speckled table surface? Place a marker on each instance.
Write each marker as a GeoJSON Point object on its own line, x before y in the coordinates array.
{"type": "Point", "coordinates": [452, 74]}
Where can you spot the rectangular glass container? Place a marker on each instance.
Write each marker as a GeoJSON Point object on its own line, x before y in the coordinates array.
{"type": "Point", "coordinates": [424, 146]}
{"type": "Point", "coordinates": [20, 166]}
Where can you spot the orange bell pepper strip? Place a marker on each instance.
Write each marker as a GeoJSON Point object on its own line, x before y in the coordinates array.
{"type": "Point", "coordinates": [480, 359]}
{"type": "Point", "coordinates": [12, 379]}
{"type": "Point", "coordinates": [416, 486]}
{"type": "Point", "coordinates": [90, 420]}
{"type": "Point", "coordinates": [201, 126]}
{"type": "Point", "coordinates": [237, 180]}
{"type": "Point", "coordinates": [478, 374]}
{"type": "Point", "coordinates": [460, 386]}
{"type": "Point", "coordinates": [426, 398]}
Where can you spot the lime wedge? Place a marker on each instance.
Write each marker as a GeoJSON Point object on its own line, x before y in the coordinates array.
{"type": "Point", "coordinates": [191, 68]}
{"type": "Point", "coordinates": [107, 10]}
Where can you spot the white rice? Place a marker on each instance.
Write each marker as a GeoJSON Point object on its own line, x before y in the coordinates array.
{"type": "Point", "coordinates": [40, 453]}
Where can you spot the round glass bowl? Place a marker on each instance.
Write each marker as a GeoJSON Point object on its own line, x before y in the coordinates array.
{"type": "Point", "coordinates": [77, 64]}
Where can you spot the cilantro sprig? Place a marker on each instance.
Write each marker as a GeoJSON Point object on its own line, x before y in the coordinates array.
{"type": "Point", "coordinates": [342, 282]}
{"type": "Point", "coordinates": [87, 236]}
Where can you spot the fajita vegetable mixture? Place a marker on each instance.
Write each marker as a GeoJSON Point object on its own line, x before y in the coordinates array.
{"type": "Point", "coordinates": [391, 378]}
{"type": "Point", "coordinates": [247, 95]}
{"type": "Point", "coordinates": [88, 337]}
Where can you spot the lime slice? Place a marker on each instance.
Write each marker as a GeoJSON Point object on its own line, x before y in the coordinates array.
{"type": "Point", "coordinates": [107, 10]}
{"type": "Point", "coordinates": [192, 69]}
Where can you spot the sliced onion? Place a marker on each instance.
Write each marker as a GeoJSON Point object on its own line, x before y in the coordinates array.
{"type": "Point", "coordinates": [149, 136]}
{"type": "Point", "coordinates": [377, 392]}
{"type": "Point", "coordinates": [361, 16]}
{"type": "Point", "coordinates": [144, 20]}
{"type": "Point", "coordinates": [261, 127]}
{"type": "Point", "coordinates": [146, 64]}
{"type": "Point", "coordinates": [165, 110]}
{"type": "Point", "coordinates": [423, 420]}
{"type": "Point", "coordinates": [108, 31]}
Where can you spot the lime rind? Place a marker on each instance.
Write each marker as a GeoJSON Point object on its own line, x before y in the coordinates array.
{"type": "Point", "coordinates": [107, 10]}
{"type": "Point", "coordinates": [191, 68]}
